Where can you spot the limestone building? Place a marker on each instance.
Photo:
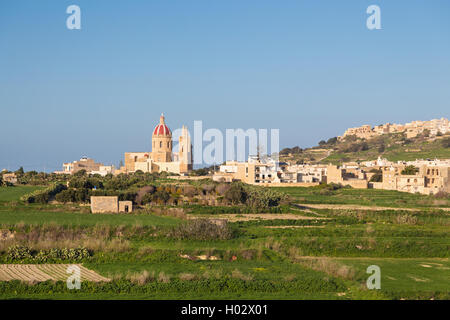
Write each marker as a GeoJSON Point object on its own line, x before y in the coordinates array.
{"type": "Point", "coordinates": [110, 204]}
{"type": "Point", "coordinates": [162, 158]}
{"type": "Point", "coordinates": [84, 163]}
{"type": "Point", "coordinates": [411, 129]}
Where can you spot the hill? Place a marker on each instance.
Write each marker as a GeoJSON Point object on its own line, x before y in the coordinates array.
{"type": "Point", "coordinates": [394, 147]}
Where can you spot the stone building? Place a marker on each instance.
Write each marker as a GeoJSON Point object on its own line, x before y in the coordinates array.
{"type": "Point", "coordinates": [429, 179]}
{"type": "Point", "coordinates": [162, 158]}
{"type": "Point", "coordinates": [83, 164]}
{"type": "Point", "coordinates": [110, 204]}
{"type": "Point", "coordinates": [354, 177]}
{"type": "Point", "coordinates": [255, 171]}
{"type": "Point", "coordinates": [411, 129]}
{"type": "Point", "coordinates": [10, 177]}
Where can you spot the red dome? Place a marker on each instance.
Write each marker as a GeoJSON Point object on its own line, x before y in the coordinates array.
{"type": "Point", "coordinates": [162, 129]}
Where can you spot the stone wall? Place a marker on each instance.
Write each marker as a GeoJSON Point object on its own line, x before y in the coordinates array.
{"type": "Point", "coordinates": [102, 204]}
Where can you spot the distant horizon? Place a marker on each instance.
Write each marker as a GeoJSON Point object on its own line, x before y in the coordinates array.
{"type": "Point", "coordinates": [196, 166]}
{"type": "Point", "coordinates": [310, 69]}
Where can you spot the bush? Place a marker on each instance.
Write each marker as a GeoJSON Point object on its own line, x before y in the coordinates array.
{"type": "Point", "coordinates": [20, 253]}
{"type": "Point", "coordinates": [161, 196]}
{"type": "Point", "coordinates": [236, 194]}
{"type": "Point", "coordinates": [410, 170]}
{"type": "Point", "coordinates": [222, 188]}
{"type": "Point", "coordinates": [201, 229]}
{"type": "Point", "coordinates": [263, 198]}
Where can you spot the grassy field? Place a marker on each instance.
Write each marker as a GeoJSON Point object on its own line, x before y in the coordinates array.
{"type": "Point", "coordinates": [14, 193]}
{"type": "Point", "coordinates": [75, 216]}
{"type": "Point", "coordinates": [323, 255]}
{"type": "Point", "coordinates": [365, 197]}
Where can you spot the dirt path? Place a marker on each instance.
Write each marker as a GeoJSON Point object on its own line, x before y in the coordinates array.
{"type": "Point", "coordinates": [44, 272]}
{"type": "Point", "coordinates": [357, 207]}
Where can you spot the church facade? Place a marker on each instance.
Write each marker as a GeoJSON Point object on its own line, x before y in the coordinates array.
{"type": "Point", "coordinates": [162, 158]}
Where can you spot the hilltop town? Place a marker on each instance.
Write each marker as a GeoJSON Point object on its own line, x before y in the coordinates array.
{"type": "Point", "coordinates": [411, 129]}
{"type": "Point", "coordinates": [425, 176]}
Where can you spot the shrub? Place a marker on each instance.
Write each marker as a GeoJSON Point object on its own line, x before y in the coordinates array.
{"type": "Point", "coordinates": [410, 170]}
{"type": "Point", "coordinates": [201, 229]}
{"type": "Point", "coordinates": [18, 252]}
{"type": "Point", "coordinates": [222, 188]}
{"type": "Point", "coordinates": [161, 196]}
{"type": "Point", "coordinates": [236, 194]}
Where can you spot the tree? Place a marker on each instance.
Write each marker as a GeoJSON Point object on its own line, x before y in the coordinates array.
{"type": "Point", "coordinates": [297, 150]}
{"type": "Point", "coordinates": [410, 170]}
{"type": "Point", "coordinates": [144, 193]}
{"type": "Point", "coordinates": [20, 171]}
{"type": "Point", "coordinates": [378, 176]}
{"type": "Point", "coordinates": [236, 194]}
{"type": "Point", "coordinates": [80, 173]}
{"type": "Point", "coordinates": [285, 151]}
{"type": "Point", "coordinates": [161, 195]}
{"type": "Point", "coordinates": [332, 140]}
{"type": "Point", "coordinates": [322, 142]}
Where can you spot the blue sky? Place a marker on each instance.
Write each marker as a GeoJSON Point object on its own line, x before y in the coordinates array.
{"type": "Point", "coordinates": [309, 68]}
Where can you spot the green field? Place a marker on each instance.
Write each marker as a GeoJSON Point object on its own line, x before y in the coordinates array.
{"type": "Point", "coordinates": [283, 258]}
{"type": "Point", "coordinates": [14, 193]}
{"type": "Point", "coordinates": [365, 197]}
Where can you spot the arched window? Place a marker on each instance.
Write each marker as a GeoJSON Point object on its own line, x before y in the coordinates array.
{"type": "Point", "coordinates": [160, 144]}
{"type": "Point", "coordinates": [168, 144]}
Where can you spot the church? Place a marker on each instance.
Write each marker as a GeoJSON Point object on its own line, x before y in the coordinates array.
{"type": "Point", "coordinates": [161, 158]}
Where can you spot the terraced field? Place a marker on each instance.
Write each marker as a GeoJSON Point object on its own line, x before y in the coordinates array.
{"type": "Point", "coordinates": [44, 272]}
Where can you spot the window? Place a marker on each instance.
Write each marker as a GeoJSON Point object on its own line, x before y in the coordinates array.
{"type": "Point", "coordinates": [160, 144]}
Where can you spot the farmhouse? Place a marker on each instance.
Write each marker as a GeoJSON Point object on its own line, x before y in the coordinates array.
{"type": "Point", "coordinates": [110, 204]}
